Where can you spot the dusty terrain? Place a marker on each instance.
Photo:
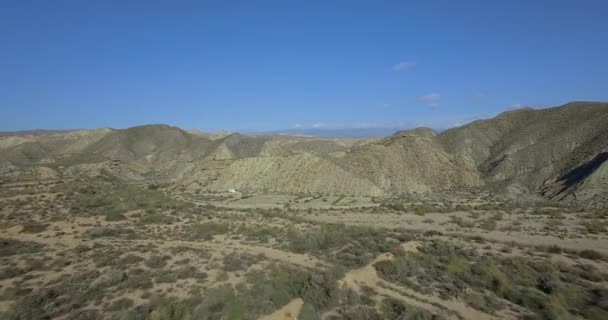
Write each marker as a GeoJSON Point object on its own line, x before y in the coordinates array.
{"type": "Point", "coordinates": [502, 218]}
{"type": "Point", "coordinates": [102, 249]}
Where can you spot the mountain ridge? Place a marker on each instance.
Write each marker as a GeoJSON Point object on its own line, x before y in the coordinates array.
{"type": "Point", "coordinates": [558, 153]}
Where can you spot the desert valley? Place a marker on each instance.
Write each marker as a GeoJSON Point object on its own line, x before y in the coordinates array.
{"type": "Point", "coordinates": [504, 218]}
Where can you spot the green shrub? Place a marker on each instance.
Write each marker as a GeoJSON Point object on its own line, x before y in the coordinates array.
{"type": "Point", "coordinates": [171, 308]}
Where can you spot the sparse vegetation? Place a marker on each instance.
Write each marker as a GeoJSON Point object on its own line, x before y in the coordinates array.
{"type": "Point", "coordinates": [151, 256]}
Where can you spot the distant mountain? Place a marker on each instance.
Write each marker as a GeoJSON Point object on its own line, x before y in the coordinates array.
{"type": "Point", "coordinates": [339, 133]}
{"type": "Point", "coordinates": [559, 153]}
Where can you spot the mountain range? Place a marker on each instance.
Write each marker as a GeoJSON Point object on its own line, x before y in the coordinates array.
{"type": "Point", "coordinates": [556, 153]}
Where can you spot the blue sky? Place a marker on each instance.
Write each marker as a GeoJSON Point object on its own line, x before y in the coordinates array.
{"type": "Point", "coordinates": [269, 65]}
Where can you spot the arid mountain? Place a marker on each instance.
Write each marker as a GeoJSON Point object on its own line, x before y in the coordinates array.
{"type": "Point", "coordinates": [552, 151]}
{"type": "Point", "coordinates": [559, 153]}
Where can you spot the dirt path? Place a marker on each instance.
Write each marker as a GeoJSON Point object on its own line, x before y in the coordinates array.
{"type": "Point", "coordinates": [289, 311]}
{"type": "Point", "coordinates": [218, 244]}
{"type": "Point", "coordinates": [416, 224]}
{"type": "Point", "coordinates": [367, 276]}
{"type": "Point", "coordinates": [224, 245]}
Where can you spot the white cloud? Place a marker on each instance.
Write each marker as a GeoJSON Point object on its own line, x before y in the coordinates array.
{"type": "Point", "coordinates": [319, 125]}
{"type": "Point", "coordinates": [517, 106]}
{"type": "Point", "coordinates": [404, 65]}
{"type": "Point", "coordinates": [434, 105]}
{"type": "Point", "coordinates": [431, 97]}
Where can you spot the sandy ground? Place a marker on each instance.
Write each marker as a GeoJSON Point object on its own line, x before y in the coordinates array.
{"type": "Point", "coordinates": [288, 312]}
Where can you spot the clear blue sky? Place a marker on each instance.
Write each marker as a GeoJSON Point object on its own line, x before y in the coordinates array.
{"type": "Point", "coordinates": [261, 65]}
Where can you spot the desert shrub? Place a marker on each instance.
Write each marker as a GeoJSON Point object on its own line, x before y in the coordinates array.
{"type": "Point", "coordinates": [105, 256]}
{"type": "Point", "coordinates": [348, 246]}
{"type": "Point", "coordinates": [218, 303]}
{"type": "Point", "coordinates": [190, 272]}
{"type": "Point", "coordinates": [239, 261]}
{"type": "Point", "coordinates": [33, 227]}
{"type": "Point", "coordinates": [459, 221]}
{"type": "Point", "coordinates": [115, 232]}
{"type": "Point", "coordinates": [591, 254]}
{"type": "Point", "coordinates": [114, 216]}
{"type": "Point", "coordinates": [206, 231]}
{"type": "Point", "coordinates": [66, 294]}
{"type": "Point", "coordinates": [98, 197]}
{"type": "Point", "coordinates": [488, 224]}
{"type": "Point", "coordinates": [157, 218]}
{"type": "Point", "coordinates": [120, 304]}
{"type": "Point", "coordinates": [171, 308]}
{"type": "Point", "coordinates": [85, 314]}
{"type": "Point", "coordinates": [359, 312]}
{"type": "Point", "coordinates": [261, 233]}
{"type": "Point", "coordinates": [155, 261]}
{"type": "Point", "coordinates": [9, 247]}
{"type": "Point", "coordinates": [309, 312]}
{"type": "Point", "coordinates": [554, 249]}
{"type": "Point", "coordinates": [394, 309]}
{"type": "Point", "coordinates": [268, 290]}
{"type": "Point", "coordinates": [113, 277]}
{"type": "Point", "coordinates": [487, 303]}
{"type": "Point", "coordinates": [130, 259]}
{"type": "Point", "coordinates": [595, 226]}
{"type": "Point", "coordinates": [550, 290]}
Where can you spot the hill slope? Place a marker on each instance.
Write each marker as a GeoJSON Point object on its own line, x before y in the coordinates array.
{"type": "Point", "coordinates": [560, 153]}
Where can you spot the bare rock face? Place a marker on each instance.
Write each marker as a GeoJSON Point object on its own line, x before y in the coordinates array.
{"type": "Point", "coordinates": [560, 153]}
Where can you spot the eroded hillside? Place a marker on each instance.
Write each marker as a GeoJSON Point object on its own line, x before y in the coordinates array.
{"type": "Point", "coordinates": [558, 153]}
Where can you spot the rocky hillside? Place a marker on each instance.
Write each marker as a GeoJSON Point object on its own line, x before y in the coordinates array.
{"type": "Point", "coordinates": [559, 153]}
